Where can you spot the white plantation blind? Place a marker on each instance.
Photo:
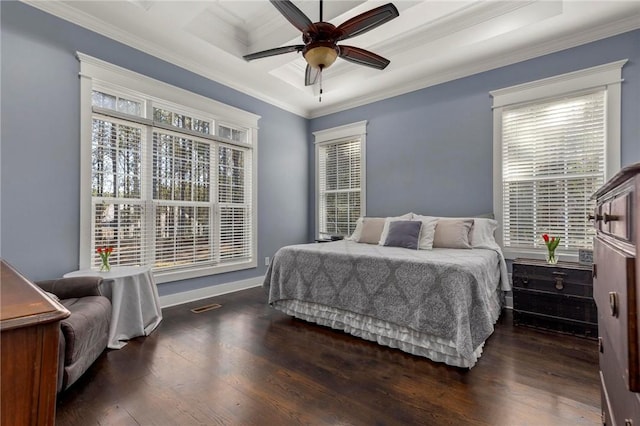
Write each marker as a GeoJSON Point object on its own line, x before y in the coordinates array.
{"type": "Point", "coordinates": [234, 193]}
{"type": "Point", "coordinates": [339, 186]}
{"type": "Point", "coordinates": [553, 159]}
{"type": "Point", "coordinates": [118, 210]}
{"type": "Point", "coordinates": [181, 198]}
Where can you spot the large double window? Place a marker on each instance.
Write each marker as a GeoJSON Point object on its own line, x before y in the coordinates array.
{"type": "Point", "coordinates": [340, 178]}
{"type": "Point", "coordinates": [167, 181]}
{"type": "Point", "coordinates": [556, 142]}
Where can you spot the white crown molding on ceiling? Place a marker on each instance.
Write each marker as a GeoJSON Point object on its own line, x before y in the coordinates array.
{"type": "Point", "coordinates": [68, 13]}
{"type": "Point", "coordinates": [628, 23]}
{"type": "Point", "coordinates": [89, 22]}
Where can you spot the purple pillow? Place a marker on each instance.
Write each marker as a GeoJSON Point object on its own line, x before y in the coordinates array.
{"type": "Point", "coordinates": [404, 233]}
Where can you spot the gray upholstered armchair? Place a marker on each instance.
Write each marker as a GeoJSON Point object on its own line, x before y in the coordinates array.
{"type": "Point", "coordinates": [84, 334]}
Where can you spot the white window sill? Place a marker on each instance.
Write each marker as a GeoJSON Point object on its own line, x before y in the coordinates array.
{"type": "Point", "coordinates": [177, 275]}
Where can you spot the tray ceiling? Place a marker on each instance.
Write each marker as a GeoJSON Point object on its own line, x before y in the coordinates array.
{"type": "Point", "coordinates": [430, 43]}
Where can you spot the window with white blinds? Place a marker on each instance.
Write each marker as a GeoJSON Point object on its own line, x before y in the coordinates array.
{"type": "Point", "coordinates": [556, 141]}
{"type": "Point", "coordinates": [166, 191]}
{"type": "Point", "coordinates": [340, 179]}
{"type": "Point", "coordinates": [553, 158]}
{"type": "Point", "coordinates": [339, 176]}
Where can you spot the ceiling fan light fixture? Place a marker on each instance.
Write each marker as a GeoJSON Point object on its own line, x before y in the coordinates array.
{"type": "Point", "coordinates": [320, 57]}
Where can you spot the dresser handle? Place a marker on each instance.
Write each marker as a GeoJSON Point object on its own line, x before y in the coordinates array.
{"type": "Point", "coordinates": [596, 218]}
{"type": "Point", "coordinates": [600, 345]}
{"type": "Point", "coordinates": [613, 303]}
{"type": "Point", "coordinates": [610, 218]}
{"type": "Point", "coordinates": [628, 422]}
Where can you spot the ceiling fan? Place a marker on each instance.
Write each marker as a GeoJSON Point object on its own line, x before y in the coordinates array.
{"type": "Point", "coordinates": [320, 48]}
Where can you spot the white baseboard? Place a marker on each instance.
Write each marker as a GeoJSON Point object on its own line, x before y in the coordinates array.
{"type": "Point", "coordinates": [206, 292]}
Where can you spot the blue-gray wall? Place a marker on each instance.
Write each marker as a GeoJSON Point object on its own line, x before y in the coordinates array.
{"type": "Point", "coordinates": [41, 146]}
{"type": "Point", "coordinates": [428, 151]}
{"type": "Point", "coordinates": [431, 151]}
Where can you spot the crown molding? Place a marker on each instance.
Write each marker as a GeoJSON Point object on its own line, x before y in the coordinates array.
{"type": "Point", "coordinates": [623, 25]}
{"type": "Point", "coordinates": [66, 12]}
{"type": "Point", "coordinates": [63, 11]}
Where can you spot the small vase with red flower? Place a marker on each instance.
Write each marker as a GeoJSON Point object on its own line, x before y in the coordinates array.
{"type": "Point", "coordinates": [552, 244]}
{"type": "Point", "coordinates": [104, 253]}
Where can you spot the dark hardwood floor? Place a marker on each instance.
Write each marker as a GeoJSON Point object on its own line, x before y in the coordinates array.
{"type": "Point", "coordinates": [248, 364]}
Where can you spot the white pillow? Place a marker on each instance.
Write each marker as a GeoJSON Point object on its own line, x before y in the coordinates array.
{"type": "Point", "coordinates": [482, 233]}
{"type": "Point", "coordinates": [427, 232]}
{"type": "Point", "coordinates": [385, 230]}
{"type": "Point", "coordinates": [357, 233]}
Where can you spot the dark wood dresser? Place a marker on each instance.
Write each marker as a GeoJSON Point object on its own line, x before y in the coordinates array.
{"type": "Point", "coordinates": [554, 297]}
{"type": "Point", "coordinates": [30, 329]}
{"type": "Point", "coordinates": [617, 295]}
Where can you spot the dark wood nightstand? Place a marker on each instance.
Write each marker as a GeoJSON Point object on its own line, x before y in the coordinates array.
{"type": "Point", "coordinates": [554, 297]}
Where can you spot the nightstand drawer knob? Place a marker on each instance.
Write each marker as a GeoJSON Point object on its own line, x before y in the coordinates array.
{"type": "Point", "coordinates": [613, 303]}
{"type": "Point", "coordinates": [559, 276]}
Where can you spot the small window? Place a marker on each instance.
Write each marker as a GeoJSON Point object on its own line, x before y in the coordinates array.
{"type": "Point", "coordinates": [181, 120]}
{"type": "Point", "coordinates": [116, 103]}
{"type": "Point", "coordinates": [231, 133]}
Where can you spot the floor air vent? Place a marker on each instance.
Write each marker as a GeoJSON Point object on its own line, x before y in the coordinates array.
{"type": "Point", "coordinates": [206, 308]}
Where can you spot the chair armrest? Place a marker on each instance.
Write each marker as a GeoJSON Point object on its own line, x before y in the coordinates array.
{"type": "Point", "coordinates": [67, 288]}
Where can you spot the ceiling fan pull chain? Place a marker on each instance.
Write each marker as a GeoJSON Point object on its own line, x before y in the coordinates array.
{"type": "Point", "coordinates": [320, 77]}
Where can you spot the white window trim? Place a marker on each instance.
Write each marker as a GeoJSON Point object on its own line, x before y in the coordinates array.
{"type": "Point", "coordinates": [334, 134]}
{"type": "Point", "coordinates": [95, 73]}
{"type": "Point", "coordinates": [608, 76]}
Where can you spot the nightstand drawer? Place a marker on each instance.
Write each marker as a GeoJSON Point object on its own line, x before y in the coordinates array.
{"type": "Point", "coordinates": [563, 278]}
{"type": "Point", "coordinates": [558, 305]}
{"type": "Point", "coordinates": [552, 323]}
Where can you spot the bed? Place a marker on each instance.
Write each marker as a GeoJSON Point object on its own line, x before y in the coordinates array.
{"type": "Point", "coordinates": [441, 304]}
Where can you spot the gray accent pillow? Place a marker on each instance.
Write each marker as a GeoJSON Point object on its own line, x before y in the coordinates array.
{"type": "Point", "coordinates": [452, 233]}
{"type": "Point", "coordinates": [371, 230]}
{"type": "Point", "coordinates": [404, 233]}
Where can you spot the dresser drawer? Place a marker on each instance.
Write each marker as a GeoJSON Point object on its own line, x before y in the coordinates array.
{"type": "Point", "coordinates": [563, 278]}
{"type": "Point", "coordinates": [618, 404]}
{"type": "Point", "coordinates": [616, 216]}
{"type": "Point", "coordinates": [615, 297]}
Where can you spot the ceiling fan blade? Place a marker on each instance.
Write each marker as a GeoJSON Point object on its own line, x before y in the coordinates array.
{"type": "Point", "coordinates": [363, 57]}
{"type": "Point", "coordinates": [367, 21]}
{"type": "Point", "coordinates": [311, 75]}
{"type": "Point", "coordinates": [293, 14]}
{"type": "Point", "coordinates": [273, 52]}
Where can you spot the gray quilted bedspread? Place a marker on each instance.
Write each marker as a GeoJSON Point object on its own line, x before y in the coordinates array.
{"type": "Point", "coordinates": [442, 292]}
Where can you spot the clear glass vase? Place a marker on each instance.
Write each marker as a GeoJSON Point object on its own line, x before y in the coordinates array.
{"type": "Point", "coordinates": [105, 266]}
{"type": "Point", "coordinates": [551, 257]}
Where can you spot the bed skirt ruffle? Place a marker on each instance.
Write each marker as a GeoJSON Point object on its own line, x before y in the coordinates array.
{"type": "Point", "coordinates": [388, 334]}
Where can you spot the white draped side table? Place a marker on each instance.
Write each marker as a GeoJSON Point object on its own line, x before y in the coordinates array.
{"type": "Point", "coordinates": [135, 305]}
